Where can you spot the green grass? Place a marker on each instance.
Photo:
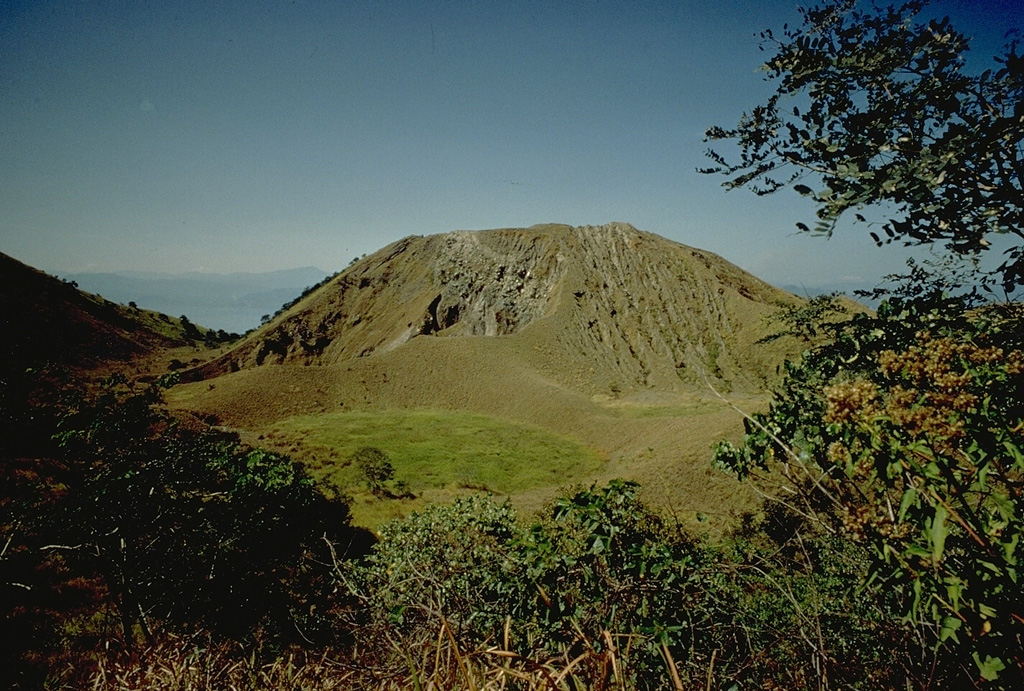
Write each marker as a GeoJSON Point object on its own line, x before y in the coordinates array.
{"type": "Point", "coordinates": [432, 449]}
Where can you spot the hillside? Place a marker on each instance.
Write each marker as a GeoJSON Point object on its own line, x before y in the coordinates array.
{"type": "Point", "coordinates": [49, 323]}
{"type": "Point", "coordinates": [233, 302]}
{"type": "Point", "coordinates": [606, 335]}
{"type": "Point", "coordinates": [54, 337]}
{"type": "Point", "coordinates": [606, 307]}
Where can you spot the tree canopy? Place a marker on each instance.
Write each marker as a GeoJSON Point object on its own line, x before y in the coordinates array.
{"type": "Point", "coordinates": [877, 109]}
{"type": "Point", "coordinates": [903, 432]}
{"type": "Point", "coordinates": [903, 429]}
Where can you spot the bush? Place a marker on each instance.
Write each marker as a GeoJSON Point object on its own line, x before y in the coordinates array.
{"type": "Point", "coordinates": [187, 527]}
{"type": "Point", "coordinates": [606, 588]}
{"type": "Point", "coordinates": [906, 432]}
{"type": "Point", "coordinates": [376, 469]}
{"type": "Point", "coordinates": [440, 565]}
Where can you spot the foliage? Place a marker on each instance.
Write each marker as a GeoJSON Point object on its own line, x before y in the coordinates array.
{"type": "Point", "coordinates": [795, 616]}
{"type": "Point", "coordinates": [875, 108]}
{"type": "Point", "coordinates": [440, 563]}
{"type": "Point", "coordinates": [809, 320]}
{"type": "Point", "coordinates": [606, 587]}
{"type": "Point", "coordinates": [187, 527]}
{"type": "Point", "coordinates": [597, 565]}
{"type": "Point", "coordinates": [599, 561]}
{"type": "Point", "coordinates": [904, 429]}
{"type": "Point", "coordinates": [191, 330]}
{"type": "Point", "coordinates": [906, 432]}
{"type": "Point", "coordinates": [598, 593]}
{"type": "Point", "coordinates": [376, 469]}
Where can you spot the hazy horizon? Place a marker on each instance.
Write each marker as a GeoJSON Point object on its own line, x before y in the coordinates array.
{"type": "Point", "coordinates": [251, 137]}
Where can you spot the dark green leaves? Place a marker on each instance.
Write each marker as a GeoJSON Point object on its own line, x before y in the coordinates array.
{"type": "Point", "coordinates": [189, 527]}
{"type": "Point", "coordinates": [904, 431]}
{"type": "Point", "coordinates": [886, 115]}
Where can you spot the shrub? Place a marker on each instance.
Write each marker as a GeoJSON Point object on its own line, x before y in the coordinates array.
{"type": "Point", "coordinates": [441, 565]}
{"type": "Point", "coordinates": [906, 432]}
{"type": "Point", "coordinates": [376, 469]}
{"type": "Point", "coordinates": [188, 527]}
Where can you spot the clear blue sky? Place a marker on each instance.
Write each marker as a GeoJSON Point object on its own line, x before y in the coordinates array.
{"type": "Point", "coordinates": [250, 136]}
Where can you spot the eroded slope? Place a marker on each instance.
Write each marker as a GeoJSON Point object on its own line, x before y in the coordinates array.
{"type": "Point", "coordinates": [595, 308]}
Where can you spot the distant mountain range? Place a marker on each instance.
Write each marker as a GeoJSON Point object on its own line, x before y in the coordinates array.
{"type": "Point", "coordinates": [848, 288]}
{"type": "Point", "coordinates": [233, 302]}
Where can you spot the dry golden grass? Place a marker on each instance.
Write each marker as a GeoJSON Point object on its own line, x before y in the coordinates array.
{"type": "Point", "coordinates": [440, 663]}
{"type": "Point", "coordinates": [185, 665]}
{"type": "Point", "coordinates": [606, 336]}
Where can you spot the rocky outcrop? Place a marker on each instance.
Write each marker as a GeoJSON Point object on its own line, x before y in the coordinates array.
{"type": "Point", "coordinates": [491, 289]}
{"type": "Point", "coordinates": [595, 307]}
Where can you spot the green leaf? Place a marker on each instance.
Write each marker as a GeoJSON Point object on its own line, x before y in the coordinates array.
{"type": "Point", "coordinates": [1009, 551]}
{"type": "Point", "coordinates": [1003, 506]}
{"type": "Point", "coordinates": [990, 566]}
{"type": "Point", "coordinates": [909, 498]}
{"type": "Point", "coordinates": [937, 533]}
{"type": "Point", "coordinates": [950, 625]}
{"type": "Point", "coordinates": [916, 601]}
{"type": "Point", "coordinates": [918, 551]}
{"type": "Point", "coordinates": [990, 667]}
{"type": "Point", "coordinates": [1015, 451]}
{"type": "Point", "coordinates": [986, 611]}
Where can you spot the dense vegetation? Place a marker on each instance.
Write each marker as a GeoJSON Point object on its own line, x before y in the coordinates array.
{"type": "Point", "coordinates": [904, 429]}
{"type": "Point", "coordinates": [904, 432]}
{"type": "Point", "coordinates": [892, 562]}
{"type": "Point", "coordinates": [140, 551]}
{"type": "Point", "coordinates": [129, 523]}
{"type": "Point", "coordinates": [174, 543]}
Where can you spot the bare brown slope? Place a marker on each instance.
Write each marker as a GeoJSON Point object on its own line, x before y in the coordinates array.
{"type": "Point", "coordinates": [605, 334]}
{"type": "Point", "coordinates": [592, 308]}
